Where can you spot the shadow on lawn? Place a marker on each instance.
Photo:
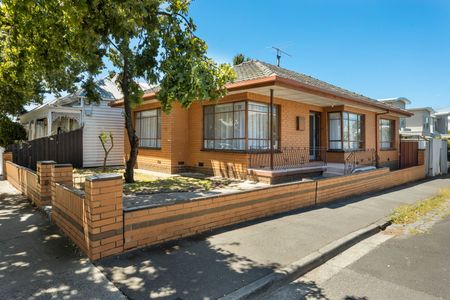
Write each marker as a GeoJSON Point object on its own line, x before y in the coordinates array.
{"type": "Point", "coordinates": [36, 261]}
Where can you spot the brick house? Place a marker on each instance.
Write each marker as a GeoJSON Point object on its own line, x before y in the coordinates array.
{"type": "Point", "coordinates": [315, 125]}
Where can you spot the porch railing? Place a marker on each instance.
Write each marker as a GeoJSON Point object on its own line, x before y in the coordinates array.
{"type": "Point", "coordinates": [360, 158]}
{"type": "Point", "coordinates": [287, 158]}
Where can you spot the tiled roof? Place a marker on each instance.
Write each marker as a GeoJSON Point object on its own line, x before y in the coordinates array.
{"type": "Point", "coordinates": [255, 69]}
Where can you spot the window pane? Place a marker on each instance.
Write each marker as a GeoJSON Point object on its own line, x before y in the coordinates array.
{"type": "Point", "coordinates": [148, 128]}
{"type": "Point", "coordinates": [225, 124]}
{"type": "Point", "coordinates": [386, 129]}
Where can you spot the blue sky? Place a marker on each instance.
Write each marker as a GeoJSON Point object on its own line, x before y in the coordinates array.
{"type": "Point", "coordinates": [377, 48]}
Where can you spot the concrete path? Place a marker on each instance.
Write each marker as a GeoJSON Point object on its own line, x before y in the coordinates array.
{"type": "Point", "coordinates": [37, 262]}
{"type": "Point", "coordinates": [216, 265]}
{"type": "Point", "coordinates": [403, 267]}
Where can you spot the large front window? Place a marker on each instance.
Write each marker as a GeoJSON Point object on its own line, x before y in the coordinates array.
{"type": "Point", "coordinates": [345, 131]}
{"type": "Point", "coordinates": [387, 133]}
{"type": "Point", "coordinates": [148, 128]}
{"type": "Point", "coordinates": [243, 125]}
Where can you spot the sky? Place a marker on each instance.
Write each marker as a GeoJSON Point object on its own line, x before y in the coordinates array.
{"type": "Point", "coordinates": [380, 49]}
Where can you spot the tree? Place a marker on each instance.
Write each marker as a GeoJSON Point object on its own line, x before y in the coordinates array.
{"type": "Point", "coordinates": [10, 132]}
{"type": "Point", "coordinates": [104, 138]}
{"type": "Point", "coordinates": [239, 59]}
{"type": "Point", "coordinates": [63, 43]}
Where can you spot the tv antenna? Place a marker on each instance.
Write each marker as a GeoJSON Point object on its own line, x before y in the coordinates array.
{"type": "Point", "coordinates": [279, 52]}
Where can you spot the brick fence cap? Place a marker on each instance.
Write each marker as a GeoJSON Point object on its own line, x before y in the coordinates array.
{"type": "Point", "coordinates": [63, 165]}
{"type": "Point", "coordinates": [46, 162]}
{"type": "Point", "coordinates": [100, 177]}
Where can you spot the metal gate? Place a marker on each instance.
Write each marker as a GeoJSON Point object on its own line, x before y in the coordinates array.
{"type": "Point", "coordinates": [409, 153]}
{"type": "Point", "coordinates": [62, 148]}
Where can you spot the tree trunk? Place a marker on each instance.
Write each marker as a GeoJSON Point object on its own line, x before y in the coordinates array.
{"type": "Point", "coordinates": [132, 138]}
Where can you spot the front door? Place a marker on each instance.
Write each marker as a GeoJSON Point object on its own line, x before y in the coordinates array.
{"type": "Point", "coordinates": [314, 135]}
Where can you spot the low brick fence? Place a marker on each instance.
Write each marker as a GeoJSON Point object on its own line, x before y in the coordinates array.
{"type": "Point", "coordinates": [148, 226]}
{"type": "Point", "coordinates": [96, 221]}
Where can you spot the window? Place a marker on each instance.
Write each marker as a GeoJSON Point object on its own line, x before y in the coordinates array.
{"type": "Point", "coordinates": [426, 124]}
{"type": "Point", "coordinates": [345, 131]}
{"type": "Point", "coordinates": [225, 126]}
{"type": "Point", "coordinates": [387, 133]}
{"type": "Point", "coordinates": [148, 128]}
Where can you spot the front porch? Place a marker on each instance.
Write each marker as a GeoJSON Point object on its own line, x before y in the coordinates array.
{"type": "Point", "coordinates": [291, 163]}
{"type": "Point", "coordinates": [47, 121]}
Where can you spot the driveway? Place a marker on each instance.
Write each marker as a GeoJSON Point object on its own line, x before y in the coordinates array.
{"type": "Point", "coordinates": [211, 266]}
{"type": "Point", "coordinates": [37, 262]}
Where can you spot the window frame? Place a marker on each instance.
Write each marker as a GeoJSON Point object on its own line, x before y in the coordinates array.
{"type": "Point", "coordinates": [360, 119]}
{"type": "Point", "coordinates": [158, 125]}
{"type": "Point", "coordinates": [276, 141]}
{"type": "Point", "coordinates": [392, 129]}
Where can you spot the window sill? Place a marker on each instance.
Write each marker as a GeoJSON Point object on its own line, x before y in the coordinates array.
{"type": "Point", "coordinates": [389, 149]}
{"type": "Point", "coordinates": [241, 151]}
{"type": "Point", "coordinates": [345, 151]}
{"type": "Point", "coordinates": [149, 148]}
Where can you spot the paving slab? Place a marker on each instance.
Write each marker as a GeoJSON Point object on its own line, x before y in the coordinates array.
{"type": "Point", "coordinates": [211, 266]}
{"type": "Point", "coordinates": [37, 262]}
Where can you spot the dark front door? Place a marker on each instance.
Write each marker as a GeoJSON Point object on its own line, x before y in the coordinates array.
{"type": "Point", "coordinates": [314, 135]}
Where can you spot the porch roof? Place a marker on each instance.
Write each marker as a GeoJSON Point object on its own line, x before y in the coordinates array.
{"type": "Point", "coordinates": [257, 76]}
{"type": "Point", "coordinates": [43, 112]}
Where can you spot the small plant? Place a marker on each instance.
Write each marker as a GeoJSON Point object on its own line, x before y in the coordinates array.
{"type": "Point", "coordinates": [104, 138]}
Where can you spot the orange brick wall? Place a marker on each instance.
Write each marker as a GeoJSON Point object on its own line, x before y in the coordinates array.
{"type": "Point", "coordinates": [155, 225]}
{"type": "Point", "coordinates": [104, 215]}
{"type": "Point", "coordinates": [68, 213]}
{"type": "Point", "coordinates": [27, 182]}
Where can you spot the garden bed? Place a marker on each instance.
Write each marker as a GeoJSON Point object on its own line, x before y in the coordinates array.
{"type": "Point", "coordinates": [147, 183]}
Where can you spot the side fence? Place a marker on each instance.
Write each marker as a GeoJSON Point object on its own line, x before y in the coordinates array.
{"type": "Point", "coordinates": [96, 221]}
{"type": "Point", "coordinates": [92, 219]}
{"type": "Point", "coordinates": [63, 148]}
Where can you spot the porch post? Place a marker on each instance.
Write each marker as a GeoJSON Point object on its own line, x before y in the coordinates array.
{"type": "Point", "coordinates": [271, 128]}
{"type": "Point", "coordinates": [49, 123]}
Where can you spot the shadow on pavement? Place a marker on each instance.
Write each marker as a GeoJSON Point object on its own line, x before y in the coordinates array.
{"type": "Point", "coordinates": [36, 261]}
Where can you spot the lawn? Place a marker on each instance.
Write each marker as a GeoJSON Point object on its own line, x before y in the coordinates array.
{"type": "Point", "coordinates": [148, 184]}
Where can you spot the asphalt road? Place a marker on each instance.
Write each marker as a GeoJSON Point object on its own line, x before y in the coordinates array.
{"type": "Point", "coordinates": [403, 267]}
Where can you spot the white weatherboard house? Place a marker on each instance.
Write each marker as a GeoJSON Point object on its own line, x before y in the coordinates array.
{"type": "Point", "coordinates": [72, 112]}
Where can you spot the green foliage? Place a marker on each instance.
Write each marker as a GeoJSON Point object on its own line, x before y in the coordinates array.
{"type": "Point", "coordinates": [56, 45]}
{"type": "Point", "coordinates": [239, 59]}
{"type": "Point", "coordinates": [10, 132]}
{"type": "Point", "coordinates": [105, 137]}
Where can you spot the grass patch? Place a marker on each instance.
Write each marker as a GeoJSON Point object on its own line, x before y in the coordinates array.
{"type": "Point", "coordinates": [407, 214]}
{"type": "Point", "coordinates": [148, 184]}
{"type": "Point", "coordinates": [174, 184]}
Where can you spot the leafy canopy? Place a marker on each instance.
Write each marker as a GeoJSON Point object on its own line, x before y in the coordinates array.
{"type": "Point", "coordinates": [10, 132]}
{"type": "Point", "coordinates": [53, 46]}
{"type": "Point", "coordinates": [239, 59]}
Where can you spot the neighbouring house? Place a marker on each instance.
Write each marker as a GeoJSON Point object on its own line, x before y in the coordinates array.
{"type": "Point", "coordinates": [426, 122]}
{"type": "Point", "coordinates": [73, 112]}
{"type": "Point", "coordinates": [443, 120]}
{"type": "Point", "coordinates": [399, 102]}
{"type": "Point", "coordinates": [311, 127]}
